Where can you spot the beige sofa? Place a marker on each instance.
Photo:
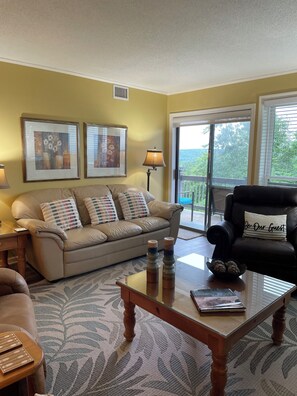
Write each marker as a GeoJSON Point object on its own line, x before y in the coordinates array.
{"type": "Point", "coordinates": [57, 254]}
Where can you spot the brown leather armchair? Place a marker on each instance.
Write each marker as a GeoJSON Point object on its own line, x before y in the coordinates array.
{"type": "Point", "coordinates": [17, 314]}
{"type": "Point", "coordinates": [277, 258]}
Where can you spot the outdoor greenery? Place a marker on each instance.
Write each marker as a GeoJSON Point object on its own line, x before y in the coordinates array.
{"type": "Point", "coordinates": [230, 153]}
{"type": "Point", "coordinates": [230, 157]}
{"type": "Point", "coordinates": [230, 161]}
{"type": "Point", "coordinates": [231, 145]}
{"type": "Point", "coordinates": [284, 159]}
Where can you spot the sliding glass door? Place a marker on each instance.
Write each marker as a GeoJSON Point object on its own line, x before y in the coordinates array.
{"type": "Point", "coordinates": [192, 178]}
{"type": "Point", "coordinates": [211, 158]}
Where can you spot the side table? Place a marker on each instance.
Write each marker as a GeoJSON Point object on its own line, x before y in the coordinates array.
{"type": "Point", "coordinates": [21, 374]}
{"type": "Point", "coordinates": [10, 239]}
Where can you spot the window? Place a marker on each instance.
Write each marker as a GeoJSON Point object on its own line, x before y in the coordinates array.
{"type": "Point", "coordinates": [209, 148]}
{"type": "Point", "coordinates": [278, 142]}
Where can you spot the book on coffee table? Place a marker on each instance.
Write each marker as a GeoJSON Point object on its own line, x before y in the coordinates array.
{"type": "Point", "coordinates": [216, 300]}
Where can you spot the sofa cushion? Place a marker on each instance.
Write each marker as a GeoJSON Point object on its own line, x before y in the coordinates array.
{"type": "Point", "coordinates": [133, 205]}
{"type": "Point", "coordinates": [265, 227]}
{"type": "Point", "coordinates": [83, 237]}
{"type": "Point", "coordinates": [62, 213]}
{"type": "Point", "coordinates": [119, 230]}
{"type": "Point", "coordinates": [27, 205]}
{"type": "Point", "coordinates": [150, 223]}
{"type": "Point", "coordinates": [101, 209]}
{"type": "Point", "coordinates": [116, 189]}
{"type": "Point", "coordinates": [82, 192]}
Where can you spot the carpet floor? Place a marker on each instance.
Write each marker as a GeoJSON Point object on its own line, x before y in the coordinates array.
{"type": "Point", "coordinates": [80, 322]}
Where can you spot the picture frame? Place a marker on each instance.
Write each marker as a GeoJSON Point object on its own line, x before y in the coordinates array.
{"type": "Point", "coordinates": [50, 149]}
{"type": "Point", "coordinates": [105, 150]}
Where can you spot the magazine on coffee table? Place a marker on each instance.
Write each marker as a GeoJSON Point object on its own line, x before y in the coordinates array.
{"type": "Point", "coordinates": [216, 300]}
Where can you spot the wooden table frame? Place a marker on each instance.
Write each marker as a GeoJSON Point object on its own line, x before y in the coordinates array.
{"type": "Point", "coordinates": [12, 240]}
{"type": "Point", "coordinates": [218, 344]}
{"type": "Point", "coordinates": [23, 373]}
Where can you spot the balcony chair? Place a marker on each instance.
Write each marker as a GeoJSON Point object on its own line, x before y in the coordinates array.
{"type": "Point", "coordinates": [264, 247]}
{"type": "Point", "coordinates": [187, 198]}
{"type": "Point", "coordinates": [218, 199]}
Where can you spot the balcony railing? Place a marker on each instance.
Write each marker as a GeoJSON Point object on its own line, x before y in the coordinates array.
{"type": "Point", "coordinates": [197, 184]}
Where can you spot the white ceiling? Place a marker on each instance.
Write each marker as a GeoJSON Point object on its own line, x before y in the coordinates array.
{"type": "Point", "coordinates": [166, 46]}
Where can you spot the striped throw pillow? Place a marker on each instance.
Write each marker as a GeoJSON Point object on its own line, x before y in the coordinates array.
{"type": "Point", "coordinates": [101, 209]}
{"type": "Point", "coordinates": [133, 205]}
{"type": "Point", "coordinates": [265, 227]}
{"type": "Point", "coordinates": [62, 213]}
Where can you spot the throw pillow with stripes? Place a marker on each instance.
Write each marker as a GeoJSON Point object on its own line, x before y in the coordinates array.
{"type": "Point", "coordinates": [62, 213]}
{"type": "Point", "coordinates": [265, 227]}
{"type": "Point", "coordinates": [133, 205]}
{"type": "Point", "coordinates": [101, 209]}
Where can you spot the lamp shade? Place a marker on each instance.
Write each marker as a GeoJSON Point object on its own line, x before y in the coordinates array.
{"type": "Point", "coordinates": [3, 180]}
{"type": "Point", "coordinates": [154, 158]}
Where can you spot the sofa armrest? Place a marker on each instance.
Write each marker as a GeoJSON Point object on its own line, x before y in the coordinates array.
{"type": "Point", "coordinates": [163, 209]}
{"type": "Point", "coordinates": [39, 227]}
{"type": "Point", "coordinates": [222, 235]}
{"type": "Point", "coordinates": [12, 282]}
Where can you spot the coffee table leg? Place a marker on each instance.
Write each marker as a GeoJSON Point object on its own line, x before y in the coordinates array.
{"type": "Point", "coordinates": [218, 374]}
{"type": "Point", "coordinates": [278, 325]}
{"type": "Point", "coordinates": [129, 320]}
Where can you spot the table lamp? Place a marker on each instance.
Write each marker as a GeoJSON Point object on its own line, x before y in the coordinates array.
{"type": "Point", "coordinates": [3, 180]}
{"type": "Point", "coordinates": [154, 158]}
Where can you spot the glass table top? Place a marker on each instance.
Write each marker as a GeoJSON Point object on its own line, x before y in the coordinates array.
{"type": "Point", "coordinates": [257, 292]}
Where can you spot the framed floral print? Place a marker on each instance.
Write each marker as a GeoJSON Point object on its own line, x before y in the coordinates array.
{"type": "Point", "coordinates": [105, 150]}
{"type": "Point", "coordinates": [51, 149]}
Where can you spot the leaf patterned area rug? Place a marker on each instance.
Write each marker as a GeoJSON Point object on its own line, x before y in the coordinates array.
{"type": "Point", "coordinates": [80, 323]}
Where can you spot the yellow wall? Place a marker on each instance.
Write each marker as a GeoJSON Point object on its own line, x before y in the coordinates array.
{"type": "Point", "coordinates": [232, 95]}
{"type": "Point", "coordinates": [32, 92]}
{"type": "Point", "coordinates": [43, 94]}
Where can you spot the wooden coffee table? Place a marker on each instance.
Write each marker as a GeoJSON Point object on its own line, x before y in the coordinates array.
{"type": "Point", "coordinates": [262, 295]}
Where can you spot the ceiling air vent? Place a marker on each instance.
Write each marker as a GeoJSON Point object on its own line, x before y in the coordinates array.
{"type": "Point", "coordinates": [121, 93]}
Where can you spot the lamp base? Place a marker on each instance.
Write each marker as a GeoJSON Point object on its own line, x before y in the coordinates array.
{"type": "Point", "coordinates": [148, 179]}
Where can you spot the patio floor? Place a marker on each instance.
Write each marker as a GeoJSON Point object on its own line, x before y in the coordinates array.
{"type": "Point", "coordinates": [198, 220]}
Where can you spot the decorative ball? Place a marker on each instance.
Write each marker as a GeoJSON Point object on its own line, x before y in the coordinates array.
{"type": "Point", "coordinates": [214, 262]}
{"type": "Point", "coordinates": [232, 268]}
{"type": "Point", "coordinates": [229, 270]}
{"type": "Point", "coordinates": [219, 267]}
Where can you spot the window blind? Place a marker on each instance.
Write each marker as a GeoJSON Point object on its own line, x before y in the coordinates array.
{"type": "Point", "coordinates": [277, 110]}
{"type": "Point", "coordinates": [213, 116]}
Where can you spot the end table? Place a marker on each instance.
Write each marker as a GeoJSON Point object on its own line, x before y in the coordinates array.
{"type": "Point", "coordinates": [20, 375]}
{"type": "Point", "coordinates": [9, 240]}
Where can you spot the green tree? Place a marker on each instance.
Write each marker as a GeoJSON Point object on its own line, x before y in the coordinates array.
{"type": "Point", "coordinates": [284, 161]}
{"type": "Point", "coordinates": [231, 146]}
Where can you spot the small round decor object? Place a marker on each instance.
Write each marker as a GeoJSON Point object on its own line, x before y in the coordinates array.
{"type": "Point", "coordinates": [232, 267]}
{"type": "Point", "coordinates": [219, 266]}
{"type": "Point", "coordinates": [229, 270]}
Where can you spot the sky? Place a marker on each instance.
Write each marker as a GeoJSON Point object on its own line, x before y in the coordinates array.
{"type": "Point", "coordinates": [192, 137]}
